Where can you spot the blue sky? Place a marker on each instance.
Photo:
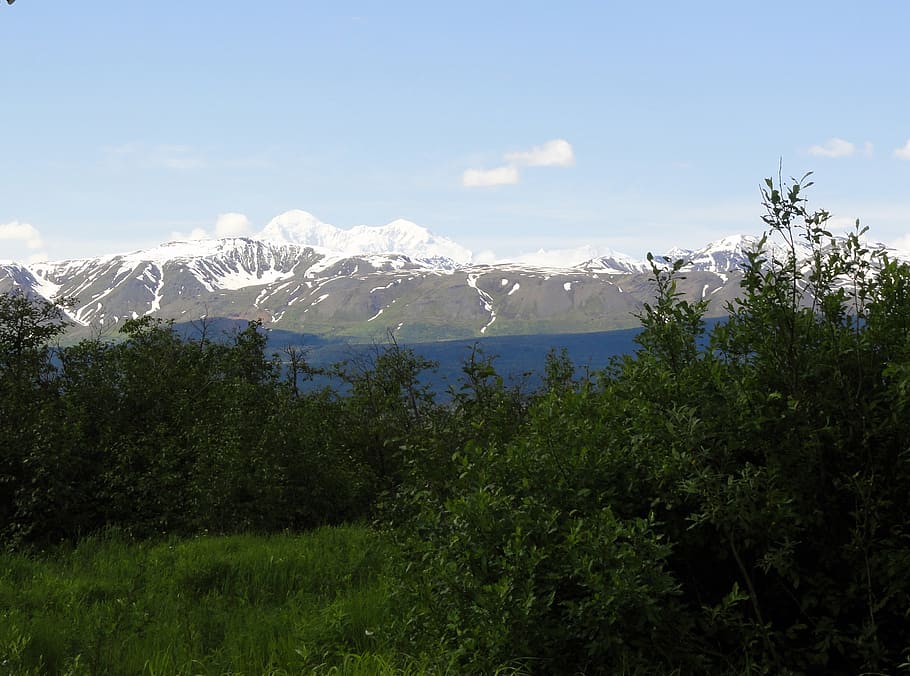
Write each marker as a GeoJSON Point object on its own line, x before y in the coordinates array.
{"type": "Point", "coordinates": [505, 126]}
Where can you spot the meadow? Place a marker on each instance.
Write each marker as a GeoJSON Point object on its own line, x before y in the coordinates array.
{"type": "Point", "coordinates": [314, 603]}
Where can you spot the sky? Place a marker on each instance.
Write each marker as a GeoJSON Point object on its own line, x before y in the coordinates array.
{"type": "Point", "coordinates": [508, 127]}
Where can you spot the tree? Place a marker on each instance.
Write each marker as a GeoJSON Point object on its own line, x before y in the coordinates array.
{"type": "Point", "coordinates": [27, 399]}
{"type": "Point", "coordinates": [388, 405]}
{"type": "Point", "coordinates": [27, 325]}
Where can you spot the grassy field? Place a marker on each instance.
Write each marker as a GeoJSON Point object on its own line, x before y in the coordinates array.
{"type": "Point", "coordinates": [314, 603]}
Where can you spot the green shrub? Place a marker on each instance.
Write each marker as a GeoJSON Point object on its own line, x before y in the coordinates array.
{"type": "Point", "coordinates": [725, 503]}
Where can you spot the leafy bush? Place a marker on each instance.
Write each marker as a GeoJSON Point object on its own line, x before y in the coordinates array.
{"type": "Point", "coordinates": [730, 502]}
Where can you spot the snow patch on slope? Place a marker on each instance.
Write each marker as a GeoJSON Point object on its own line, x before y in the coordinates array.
{"type": "Point", "coordinates": [485, 299]}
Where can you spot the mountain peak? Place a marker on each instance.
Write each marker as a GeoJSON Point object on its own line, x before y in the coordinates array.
{"type": "Point", "coordinates": [298, 227]}
{"type": "Point", "coordinates": [400, 236]}
{"type": "Point", "coordinates": [404, 224]}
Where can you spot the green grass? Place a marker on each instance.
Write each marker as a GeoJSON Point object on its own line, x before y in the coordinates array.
{"type": "Point", "coordinates": [315, 603]}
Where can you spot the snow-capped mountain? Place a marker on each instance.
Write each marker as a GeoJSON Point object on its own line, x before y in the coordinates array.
{"type": "Point", "coordinates": [134, 284]}
{"type": "Point", "coordinates": [614, 263]}
{"type": "Point", "coordinates": [723, 255]}
{"type": "Point", "coordinates": [399, 236]}
{"type": "Point", "coordinates": [303, 275]}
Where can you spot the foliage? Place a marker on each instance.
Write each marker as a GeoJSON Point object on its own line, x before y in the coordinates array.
{"type": "Point", "coordinates": [387, 405]}
{"type": "Point", "coordinates": [31, 459]}
{"type": "Point", "coordinates": [728, 499]}
{"type": "Point", "coordinates": [731, 502]}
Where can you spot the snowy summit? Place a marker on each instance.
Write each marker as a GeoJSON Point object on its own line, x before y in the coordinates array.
{"type": "Point", "coordinates": [400, 236]}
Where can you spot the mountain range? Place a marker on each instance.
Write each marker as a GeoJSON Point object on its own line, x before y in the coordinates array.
{"type": "Point", "coordinates": [305, 276]}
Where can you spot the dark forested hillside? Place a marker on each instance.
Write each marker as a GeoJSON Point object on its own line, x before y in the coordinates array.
{"type": "Point", "coordinates": [727, 498]}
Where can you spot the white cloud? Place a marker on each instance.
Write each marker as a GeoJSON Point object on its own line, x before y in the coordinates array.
{"type": "Point", "coordinates": [21, 242]}
{"type": "Point", "coordinates": [903, 152]}
{"type": "Point", "coordinates": [485, 178]}
{"type": "Point", "coordinates": [901, 243]}
{"type": "Point", "coordinates": [833, 147]}
{"type": "Point", "coordinates": [232, 224]}
{"type": "Point", "coordinates": [567, 257]}
{"type": "Point", "coordinates": [555, 153]}
{"type": "Point", "coordinates": [22, 232]}
{"type": "Point", "coordinates": [560, 258]}
{"type": "Point", "coordinates": [867, 149]}
{"type": "Point", "coordinates": [485, 257]}
{"type": "Point", "coordinates": [195, 233]}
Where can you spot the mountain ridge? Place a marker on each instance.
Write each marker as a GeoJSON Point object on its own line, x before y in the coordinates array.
{"type": "Point", "coordinates": [311, 277]}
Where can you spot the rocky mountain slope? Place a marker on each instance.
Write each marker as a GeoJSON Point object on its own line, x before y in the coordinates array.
{"type": "Point", "coordinates": [302, 275]}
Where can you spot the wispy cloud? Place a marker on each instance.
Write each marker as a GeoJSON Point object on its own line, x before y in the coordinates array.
{"type": "Point", "coordinates": [560, 257]}
{"type": "Point", "coordinates": [161, 156]}
{"type": "Point", "coordinates": [833, 147]}
{"type": "Point", "coordinates": [485, 178]}
{"type": "Point", "coordinates": [230, 224]}
{"type": "Point", "coordinates": [555, 153]}
{"type": "Point", "coordinates": [901, 243]}
{"type": "Point", "coordinates": [180, 158]}
{"type": "Point", "coordinates": [195, 233]}
{"type": "Point", "coordinates": [21, 241]}
{"type": "Point", "coordinates": [903, 152]}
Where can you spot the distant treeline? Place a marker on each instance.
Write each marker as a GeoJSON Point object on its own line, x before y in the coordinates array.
{"type": "Point", "coordinates": [730, 499]}
{"type": "Point", "coordinates": [519, 359]}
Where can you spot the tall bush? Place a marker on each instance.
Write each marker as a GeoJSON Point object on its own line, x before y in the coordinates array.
{"type": "Point", "coordinates": [726, 502]}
